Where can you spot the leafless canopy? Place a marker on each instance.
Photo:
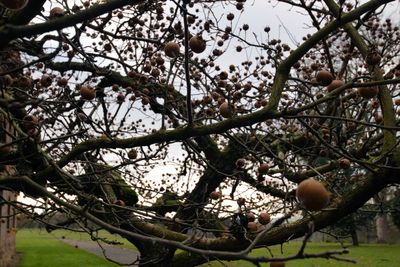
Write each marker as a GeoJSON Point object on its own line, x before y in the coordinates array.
{"type": "Point", "coordinates": [187, 124]}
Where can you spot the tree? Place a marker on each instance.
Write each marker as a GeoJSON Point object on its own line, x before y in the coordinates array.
{"type": "Point", "coordinates": [349, 225]}
{"type": "Point", "coordinates": [106, 96]}
{"type": "Point", "coordinates": [396, 212]}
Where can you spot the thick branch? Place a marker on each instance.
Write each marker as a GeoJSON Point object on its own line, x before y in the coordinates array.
{"type": "Point", "coordinates": [10, 32]}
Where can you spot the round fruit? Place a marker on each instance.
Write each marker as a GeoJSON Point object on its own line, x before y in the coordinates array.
{"type": "Point", "coordinates": [324, 77]}
{"type": "Point", "coordinates": [87, 93]}
{"type": "Point", "coordinates": [373, 59]}
{"type": "Point", "coordinates": [312, 195]}
{"type": "Point", "coordinates": [120, 98]}
{"type": "Point", "coordinates": [230, 16]}
{"type": "Point", "coordinates": [62, 82]}
{"type": "Point", "coordinates": [132, 154]}
{"type": "Point", "coordinates": [264, 218]}
{"type": "Point", "coordinates": [263, 168]}
{"type": "Point", "coordinates": [344, 163]}
{"type": "Point", "coordinates": [171, 49]}
{"type": "Point", "coordinates": [82, 116]}
{"type": "Point", "coordinates": [240, 163]}
{"type": "Point", "coordinates": [197, 44]}
{"type": "Point", "coordinates": [215, 195]}
{"type": "Point", "coordinates": [46, 80]}
{"type": "Point", "coordinates": [334, 84]}
{"type": "Point", "coordinates": [145, 100]}
{"type": "Point", "coordinates": [378, 118]}
{"type": "Point", "coordinates": [56, 12]}
{"type": "Point", "coordinates": [14, 4]}
{"type": "Point", "coordinates": [29, 122]}
{"type": "Point", "coordinates": [226, 110]}
{"type": "Point", "coordinates": [252, 226]}
{"type": "Point", "coordinates": [277, 264]}
{"type": "Point", "coordinates": [119, 202]}
{"type": "Point", "coordinates": [34, 133]}
{"type": "Point", "coordinates": [24, 82]}
{"type": "Point", "coordinates": [250, 217]}
{"type": "Point", "coordinates": [240, 201]}
{"type": "Point", "coordinates": [4, 148]}
{"type": "Point", "coordinates": [107, 47]}
{"type": "Point", "coordinates": [368, 92]}
{"type": "Point", "coordinates": [7, 80]}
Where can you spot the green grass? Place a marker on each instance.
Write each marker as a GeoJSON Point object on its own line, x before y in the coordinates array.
{"type": "Point", "coordinates": [102, 234]}
{"type": "Point", "coordinates": [43, 250]}
{"type": "Point", "coordinates": [35, 244]}
{"type": "Point", "coordinates": [367, 255]}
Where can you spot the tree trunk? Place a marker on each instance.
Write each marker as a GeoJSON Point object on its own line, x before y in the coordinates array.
{"type": "Point", "coordinates": [382, 228]}
{"type": "Point", "coordinates": [155, 255]}
{"type": "Point", "coordinates": [354, 237]}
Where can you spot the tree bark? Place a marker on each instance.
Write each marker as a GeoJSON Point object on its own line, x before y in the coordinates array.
{"type": "Point", "coordinates": [382, 228]}
{"type": "Point", "coordinates": [354, 237]}
{"type": "Point", "coordinates": [155, 255]}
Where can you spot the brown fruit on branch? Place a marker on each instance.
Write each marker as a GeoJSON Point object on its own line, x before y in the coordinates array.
{"type": "Point", "coordinates": [368, 92]}
{"type": "Point", "coordinates": [30, 122]}
{"type": "Point", "coordinates": [230, 16]}
{"type": "Point", "coordinates": [312, 195]}
{"type": "Point", "coordinates": [24, 82]}
{"type": "Point", "coordinates": [344, 163]}
{"type": "Point", "coordinates": [241, 201]}
{"type": "Point", "coordinates": [215, 195]}
{"type": "Point", "coordinates": [87, 93]}
{"type": "Point", "coordinates": [132, 154]}
{"type": "Point", "coordinates": [119, 202]}
{"type": "Point", "coordinates": [34, 133]}
{"type": "Point", "coordinates": [324, 77]}
{"type": "Point", "coordinates": [7, 80]}
{"type": "Point", "coordinates": [120, 98]}
{"type": "Point", "coordinates": [252, 226]}
{"type": "Point", "coordinates": [46, 80]}
{"type": "Point", "coordinates": [82, 117]}
{"type": "Point", "coordinates": [334, 84]}
{"type": "Point", "coordinates": [264, 218]}
{"type": "Point", "coordinates": [56, 12]}
{"type": "Point", "coordinates": [197, 44]}
{"type": "Point", "coordinates": [378, 118]}
{"type": "Point", "coordinates": [240, 163]}
{"type": "Point", "coordinates": [14, 4]}
{"type": "Point", "coordinates": [226, 110]}
{"type": "Point", "coordinates": [373, 59]}
{"type": "Point", "coordinates": [145, 100]}
{"type": "Point", "coordinates": [171, 49]}
{"type": "Point", "coordinates": [5, 148]}
{"type": "Point", "coordinates": [263, 168]}
{"type": "Point", "coordinates": [250, 217]}
{"type": "Point", "coordinates": [62, 82]}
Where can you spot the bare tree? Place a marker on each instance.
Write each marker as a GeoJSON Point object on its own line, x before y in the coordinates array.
{"type": "Point", "coordinates": [106, 96]}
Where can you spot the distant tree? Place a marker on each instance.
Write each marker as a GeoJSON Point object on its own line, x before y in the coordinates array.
{"type": "Point", "coordinates": [176, 124]}
{"type": "Point", "coordinates": [349, 225]}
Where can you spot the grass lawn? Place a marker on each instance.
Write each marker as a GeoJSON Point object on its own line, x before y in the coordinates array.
{"type": "Point", "coordinates": [367, 255]}
{"type": "Point", "coordinates": [86, 237]}
{"type": "Point", "coordinates": [43, 250]}
{"type": "Point", "coordinates": [35, 244]}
